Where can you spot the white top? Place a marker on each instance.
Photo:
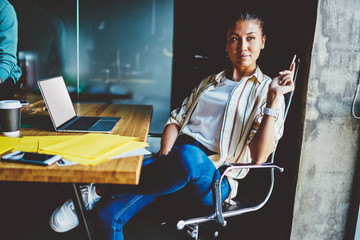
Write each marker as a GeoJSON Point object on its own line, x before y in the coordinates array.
{"type": "Point", "coordinates": [206, 121]}
{"type": "Point", "coordinates": [242, 117]}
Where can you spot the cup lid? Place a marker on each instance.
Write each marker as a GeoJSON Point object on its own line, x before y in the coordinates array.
{"type": "Point", "coordinates": [10, 104]}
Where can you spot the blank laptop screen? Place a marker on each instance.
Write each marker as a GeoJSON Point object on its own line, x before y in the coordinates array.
{"type": "Point", "coordinates": [57, 99]}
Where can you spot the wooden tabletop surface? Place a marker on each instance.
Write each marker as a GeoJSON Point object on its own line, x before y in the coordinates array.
{"type": "Point", "coordinates": [135, 122]}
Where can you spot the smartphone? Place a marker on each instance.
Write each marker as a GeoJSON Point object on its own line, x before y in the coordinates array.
{"type": "Point", "coordinates": [31, 158]}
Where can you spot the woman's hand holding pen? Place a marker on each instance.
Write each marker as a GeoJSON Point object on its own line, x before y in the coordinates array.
{"type": "Point", "coordinates": [281, 85]}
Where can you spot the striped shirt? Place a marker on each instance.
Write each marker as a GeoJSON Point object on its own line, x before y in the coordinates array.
{"type": "Point", "coordinates": [242, 117]}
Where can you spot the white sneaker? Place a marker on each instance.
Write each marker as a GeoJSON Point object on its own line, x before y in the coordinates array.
{"type": "Point", "coordinates": [64, 217]}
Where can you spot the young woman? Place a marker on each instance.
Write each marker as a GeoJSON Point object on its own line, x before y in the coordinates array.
{"type": "Point", "coordinates": [233, 116]}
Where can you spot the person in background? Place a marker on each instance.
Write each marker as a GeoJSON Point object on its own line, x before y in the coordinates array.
{"type": "Point", "coordinates": [9, 70]}
{"type": "Point", "coordinates": [42, 34]}
{"type": "Point", "coordinates": [235, 116]}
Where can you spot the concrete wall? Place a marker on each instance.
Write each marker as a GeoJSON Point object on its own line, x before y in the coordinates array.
{"type": "Point", "coordinates": [329, 151]}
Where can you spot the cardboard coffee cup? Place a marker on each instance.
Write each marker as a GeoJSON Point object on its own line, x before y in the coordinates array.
{"type": "Point", "coordinates": [10, 117]}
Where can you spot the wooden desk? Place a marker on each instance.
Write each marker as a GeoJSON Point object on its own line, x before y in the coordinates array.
{"type": "Point", "coordinates": [135, 121]}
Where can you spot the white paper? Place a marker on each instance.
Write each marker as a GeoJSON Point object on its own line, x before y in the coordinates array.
{"type": "Point", "coordinates": [64, 162]}
{"type": "Point", "coordinates": [136, 152]}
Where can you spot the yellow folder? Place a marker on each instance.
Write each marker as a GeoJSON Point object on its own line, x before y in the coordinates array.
{"type": "Point", "coordinates": [7, 143]}
{"type": "Point", "coordinates": [90, 149]}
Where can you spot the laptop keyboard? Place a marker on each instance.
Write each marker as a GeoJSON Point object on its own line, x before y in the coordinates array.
{"type": "Point", "coordinates": [83, 123]}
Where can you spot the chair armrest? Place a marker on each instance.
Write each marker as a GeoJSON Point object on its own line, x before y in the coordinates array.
{"type": "Point", "coordinates": [251, 165]}
{"type": "Point", "coordinates": [218, 204]}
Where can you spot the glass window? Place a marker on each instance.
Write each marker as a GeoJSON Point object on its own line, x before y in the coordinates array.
{"type": "Point", "coordinates": [126, 53]}
{"type": "Point", "coordinates": [114, 51]}
{"type": "Point", "coordinates": [46, 40]}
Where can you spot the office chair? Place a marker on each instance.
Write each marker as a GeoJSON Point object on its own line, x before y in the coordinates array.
{"type": "Point", "coordinates": [261, 178]}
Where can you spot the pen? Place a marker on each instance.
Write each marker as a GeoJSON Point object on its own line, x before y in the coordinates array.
{"type": "Point", "coordinates": [293, 61]}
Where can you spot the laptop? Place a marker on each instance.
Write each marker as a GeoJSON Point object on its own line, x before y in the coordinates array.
{"type": "Point", "coordinates": [62, 112]}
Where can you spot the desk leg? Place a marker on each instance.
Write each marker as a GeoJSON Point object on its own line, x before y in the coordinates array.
{"type": "Point", "coordinates": [80, 211]}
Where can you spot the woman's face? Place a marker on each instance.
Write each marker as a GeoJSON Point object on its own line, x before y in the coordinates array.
{"type": "Point", "coordinates": [244, 42]}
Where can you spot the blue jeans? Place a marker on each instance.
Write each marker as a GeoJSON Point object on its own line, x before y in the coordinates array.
{"type": "Point", "coordinates": [187, 166]}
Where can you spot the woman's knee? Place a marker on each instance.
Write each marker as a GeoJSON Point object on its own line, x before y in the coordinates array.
{"type": "Point", "coordinates": [192, 154]}
{"type": "Point", "coordinates": [192, 158]}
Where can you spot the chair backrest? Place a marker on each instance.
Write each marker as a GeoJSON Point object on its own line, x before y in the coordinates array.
{"type": "Point", "coordinates": [260, 179]}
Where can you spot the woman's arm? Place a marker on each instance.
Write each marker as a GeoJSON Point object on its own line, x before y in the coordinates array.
{"type": "Point", "coordinates": [263, 142]}
{"type": "Point", "coordinates": [168, 138]}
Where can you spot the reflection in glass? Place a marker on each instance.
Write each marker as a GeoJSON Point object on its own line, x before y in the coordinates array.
{"type": "Point", "coordinates": [125, 49]}
{"type": "Point", "coordinates": [42, 40]}
{"type": "Point", "coordinates": [126, 53]}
